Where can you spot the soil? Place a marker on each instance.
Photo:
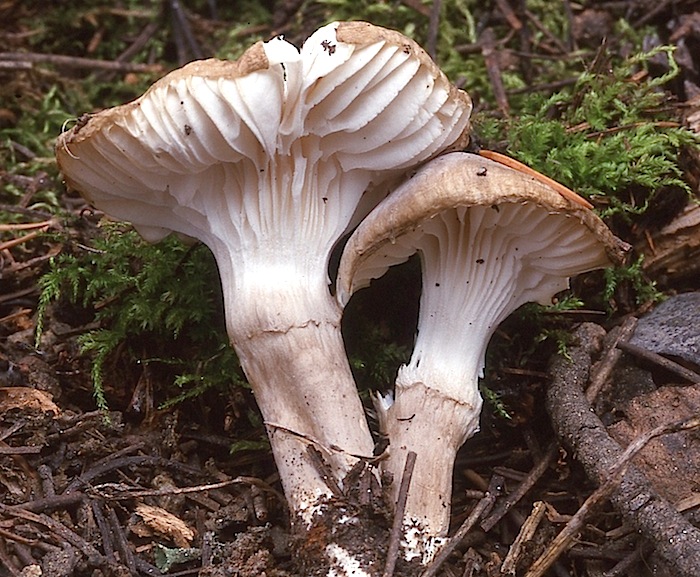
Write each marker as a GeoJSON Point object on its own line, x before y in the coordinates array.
{"type": "Point", "coordinates": [141, 490]}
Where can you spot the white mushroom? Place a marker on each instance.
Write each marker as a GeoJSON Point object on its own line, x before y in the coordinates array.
{"type": "Point", "coordinates": [490, 239]}
{"type": "Point", "coordinates": [269, 160]}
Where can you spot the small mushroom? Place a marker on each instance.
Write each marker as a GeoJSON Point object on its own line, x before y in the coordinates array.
{"type": "Point", "coordinates": [269, 160]}
{"type": "Point", "coordinates": [490, 239]}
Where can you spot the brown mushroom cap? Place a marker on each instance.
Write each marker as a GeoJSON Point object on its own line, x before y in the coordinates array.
{"type": "Point", "coordinates": [490, 238]}
{"type": "Point", "coordinates": [357, 99]}
{"type": "Point", "coordinates": [458, 182]}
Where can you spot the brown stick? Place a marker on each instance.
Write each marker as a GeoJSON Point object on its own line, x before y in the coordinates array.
{"type": "Point", "coordinates": [481, 507]}
{"type": "Point", "coordinates": [525, 534]}
{"type": "Point", "coordinates": [562, 541]}
{"type": "Point", "coordinates": [27, 225]}
{"type": "Point", "coordinates": [487, 41]}
{"type": "Point", "coordinates": [78, 62]}
{"type": "Point", "coordinates": [241, 480]}
{"type": "Point", "coordinates": [121, 543]}
{"type": "Point", "coordinates": [51, 503]}
{"type": "Point", "coordinates": [527, 483]}
{"type": "Point", "coordinates": [7, 562]}
{"type": "Point", "coordinates": [433, 29]}
{"type": "Point", "coordinates": [604, 367]}
{"type": "Point", "coordinates": [542, 28]}
{"type": "Point", "coordinates": [10, 536]}
{"type": "Point", "coordinates": [661, 361]}
{"type": "Point", "coordinates": [92, 555]}
{"type": "Point", "coordinates": [105, 532]}
{"type": "Point", "coordinates": [676, 541]}
{"type": "Point", "coordinates": [20, 239]}
{"type": "Point", "coordinates": [397, 527]}
{"type": "Point", "coordinates": [508, 13]}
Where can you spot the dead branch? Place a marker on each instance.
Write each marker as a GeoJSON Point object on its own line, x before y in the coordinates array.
{"type": "Point", "coordinates": [526, 533]}
{"type": "Point", "coordinates": [480, 509]}
{"type": "Point", "coordinates": [660, 360]}
{"type": "Point", "coordinates": [487, 41]}
{"type": "Point", "coordinates": [433, 29]}
{"type": "Point", "coordinates": [526, 484]}
{"type": "Point", "coordinates": [676, 541]}
{"type": "Point", "coordinates": [76, 62]}
{"type": "Point", "coordinates": [602, 493]}
{"type": "Point", "coordinates": [395, 539]}
{"type": "Point", "coordinates": [604, 367]}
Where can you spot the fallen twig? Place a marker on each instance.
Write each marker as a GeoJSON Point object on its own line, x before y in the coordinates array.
{"type": "Point", "coordinates": [525, 485]}
{"type": "Point", "coordinates": [433, 29]}
{"type": "Point", "coordinates": [481, 507]}
{"type": "Point", "coordinates": [623, 567]}
{"type": "Point", "coordinates": [661, 361]}
{"type": "Point", "coordinates": [76, 62]}
{"type": "Point", "coordinates": [526, 533]}
{"type": "Point", "coordinates": [604, 367]}
{"type": "Point", "coordinates": [676, 541]}
{"type": "Point", "coordinates": [487, 41]}
{"type": "Point", "coordinates": [51, 503]}
{"type": "Point", "coordinates": [562, 541]}
{"type": "Point", "coordinates": [133, 494]}
{"type": "Point", "coordinates": [513, 21]}
{"type": "Point", "coordinates": [21, 239]}
{"type": "Point", "coordinates": [121, 543]}
{"type": "Point", "coordinates": [93, 556]}
{"type": "Point", "coordinates": [105, 532]}
{"type": "Point", "coordinates": [561, 48]}
{"type": "Point", "coordinates": [396, 529]}
{"type": "Point", "coordinates": [27, 225]}
{"type": "Point", "coordinates": [183, 34]}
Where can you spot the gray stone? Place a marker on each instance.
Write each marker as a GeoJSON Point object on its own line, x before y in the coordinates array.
{"type": "Point", "coordinates": [672, 329]}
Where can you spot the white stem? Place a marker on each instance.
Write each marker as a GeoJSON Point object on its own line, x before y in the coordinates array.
{"type": "Point", "coordinates": [472, 280]}
{"type": "Point", "coordinates": [299, 373]}
{"type": "Point", "coordinates": [434, 426]}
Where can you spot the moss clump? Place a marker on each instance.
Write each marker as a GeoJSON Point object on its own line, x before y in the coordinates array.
{"type": "Point", "coordinates": [157, 304]}
{"type": "Point", "coordinates": [613, 136]}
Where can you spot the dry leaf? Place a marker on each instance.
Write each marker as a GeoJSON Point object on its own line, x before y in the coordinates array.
{"type": "Point", "coordinates": [26, 398]}
{"type": "Point", "coordinates": [161, 522]}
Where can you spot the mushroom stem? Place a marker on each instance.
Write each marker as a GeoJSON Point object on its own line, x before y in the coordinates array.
{"type": "Point", "coordinates": [305, 390]}
{"type": "Point", "coordinates": [284, 325]}
{"type": "Point", "coordinates": [411, 425]}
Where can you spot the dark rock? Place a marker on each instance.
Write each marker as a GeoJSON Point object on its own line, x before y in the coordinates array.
{"type": "Point", "coordinates": [672, 329]}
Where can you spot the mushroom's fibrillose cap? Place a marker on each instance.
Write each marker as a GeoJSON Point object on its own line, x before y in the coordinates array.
{"type": "Point", "coordinates": [547, 231]}
{"type": "Point", "coordinates": [270, 139]}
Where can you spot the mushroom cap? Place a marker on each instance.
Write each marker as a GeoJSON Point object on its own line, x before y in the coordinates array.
{"type": "Point", "coordinates": [490, 239]}
{"type": "Point", "coordinates": [360, 101]}
{"type": "Point", "coordinates": [458, 181]}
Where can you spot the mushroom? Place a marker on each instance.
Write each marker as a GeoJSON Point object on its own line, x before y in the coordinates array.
{"type": "Point", "coordinates": [269, 160]}
{"type": "Point", "coordinates": [490, 239]}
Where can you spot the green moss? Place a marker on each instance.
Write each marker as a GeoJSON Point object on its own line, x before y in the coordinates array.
{"type": "Point", "coordinates": [154, 304]}
{"type": "Point", "coordinates": [611, 137]}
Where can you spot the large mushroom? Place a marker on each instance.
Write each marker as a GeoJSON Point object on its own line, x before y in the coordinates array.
{"type": "Point", "coordinates": [269, 160]}
{"type": "Point", "coordinates": [490, 239]}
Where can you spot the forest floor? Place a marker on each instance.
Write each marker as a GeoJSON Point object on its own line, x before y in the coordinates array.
{"type": "Point", "coordinates": [145, 488]}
